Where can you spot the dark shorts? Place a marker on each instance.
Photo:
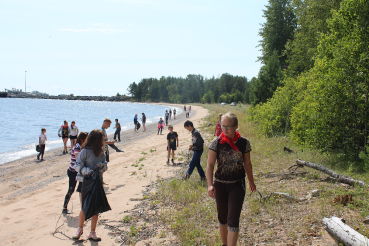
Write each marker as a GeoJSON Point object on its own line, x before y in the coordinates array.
{"type": "Point", "coordinates": [172, 147]}
{"type": "Point", "coordinates": [79, 187]}
{"type": "Point", "coordinates": [229, 199]}
{"type": "Point", "coordinates": [73, 137]}
{"type": "Point", "coordinates": [65, 137]}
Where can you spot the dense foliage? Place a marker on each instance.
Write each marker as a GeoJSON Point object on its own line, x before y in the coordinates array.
{"type": "Point", "coordinates": [323, 100]}
{"type": "Point", "coordinates": [194, 88]}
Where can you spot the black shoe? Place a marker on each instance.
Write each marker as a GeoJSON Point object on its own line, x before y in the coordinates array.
{"type": "Point", "coordinates": [42, 159]}
{"type": "Point", "coordinates": [186, 177]}
{"type": "Point", "coordinates": [63, 152]}
{"type": "Point", "coordinates": [203, 179]}
{"type": "Point", "coordinates": [66, 211]}
{"type": "Point", "coordinates": [38, 157]}
{"type": "Point", "coordinates": [172, 161]}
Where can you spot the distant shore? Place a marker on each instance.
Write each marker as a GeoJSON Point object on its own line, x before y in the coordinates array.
{"type": "Point", "coordinates": [120, 98]}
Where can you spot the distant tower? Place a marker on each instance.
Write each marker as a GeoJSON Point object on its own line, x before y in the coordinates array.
{"type": "Point", "coordinates": [25, 82]}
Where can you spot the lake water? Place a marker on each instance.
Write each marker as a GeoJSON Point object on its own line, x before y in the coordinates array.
{"type": "Point", "coordinates": [22, 120]}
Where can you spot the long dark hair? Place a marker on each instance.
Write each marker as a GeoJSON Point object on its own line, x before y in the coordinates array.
{"type": "Point", "coordinates": [95, 141]}
{"type": "Point", "coordinates": [81, 138]}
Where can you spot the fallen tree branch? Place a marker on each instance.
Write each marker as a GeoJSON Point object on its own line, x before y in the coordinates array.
{"type": "Point", "coordinates": [343, 233]}
{"type": "Point", "coordinates": [340, 178]}
{"type": "Point", "coordinates": [314, 193]}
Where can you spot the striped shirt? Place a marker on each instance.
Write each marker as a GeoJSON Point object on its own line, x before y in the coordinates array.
{"type": "Point", "coordinates": [76, 149]}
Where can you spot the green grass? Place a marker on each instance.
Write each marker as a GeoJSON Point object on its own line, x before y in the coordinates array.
{"type": "Point", "coordinates": [191, 214]}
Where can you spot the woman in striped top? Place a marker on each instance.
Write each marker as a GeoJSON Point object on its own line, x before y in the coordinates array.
{"type": "Point", "coordinates": [72, 174]}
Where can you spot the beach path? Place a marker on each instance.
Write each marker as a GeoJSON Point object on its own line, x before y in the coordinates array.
{"type": "Point", "coordinates": [31, 218]}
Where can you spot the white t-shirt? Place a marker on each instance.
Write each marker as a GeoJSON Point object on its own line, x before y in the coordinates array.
{"type": "Point", "coordinates": [73, 132]}
{"type": "Point", "coordinates": [43, 138]}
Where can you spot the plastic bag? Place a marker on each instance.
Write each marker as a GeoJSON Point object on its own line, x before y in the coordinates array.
{"type": "Point", "coordinates": [38, 148]}
{"type": "Point", "coordinates": [138, 125]}
{"type": "Point", "coordinates": [94, 200]}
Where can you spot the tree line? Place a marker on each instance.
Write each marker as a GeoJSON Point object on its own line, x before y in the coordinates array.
{"type": "Point", "coordinates": [314, 84]}
{"type": "Point", "coordinates": [194, 88]}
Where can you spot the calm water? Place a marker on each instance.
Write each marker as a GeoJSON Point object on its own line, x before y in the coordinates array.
{"type": "Point", "coordinates": [22, 120]}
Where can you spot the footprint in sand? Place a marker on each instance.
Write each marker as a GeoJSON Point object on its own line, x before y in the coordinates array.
{"type": "Point", "coordinates": [18, 222]}
{"type": "Point", "coordinates": [5, 219]}
{"type": "Point", "coordinates": [117, 187]}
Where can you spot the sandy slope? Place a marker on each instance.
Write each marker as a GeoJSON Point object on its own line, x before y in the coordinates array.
{"type": "Point", "coordinates": [29, 218]}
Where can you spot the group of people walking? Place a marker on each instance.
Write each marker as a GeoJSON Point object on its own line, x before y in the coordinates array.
{"type": "Point", "coordinates": [226, 185]}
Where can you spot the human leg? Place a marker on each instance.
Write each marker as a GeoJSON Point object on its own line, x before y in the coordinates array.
{"type": "Point", "coordinates": [119, 136]}
{"type": "Point", "coordinates": [42, 151]}
{"type": "Point", "coordinates": [235, 202]}
{"type": "Point", "coordinates": [65, 140]}
{"type": "Point", "coordinates": [115, 134]}
{"type": "Point", "coordinates": [221, 199]}
{"type": "Point", "coordinates": [195, 159]}
{"type": "Point", "coordinates": [198, 165]}
{"type": "Point", "coordinates": [72, 186]}
{"type": "Point", "coordinates": [93, 235]}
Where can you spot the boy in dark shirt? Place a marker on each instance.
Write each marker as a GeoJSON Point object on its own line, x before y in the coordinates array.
{"type": "Point", "coordinates": [197, 147]}
{"type": "Point", "coordinates": [172, 142]}
{"type": "Point", "coordinates": [117, 131]}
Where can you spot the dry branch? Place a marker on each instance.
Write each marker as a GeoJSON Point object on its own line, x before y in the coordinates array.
{"type": "Point", "coordinates": [343, 233]}
{"type": "Point", "coordinates": [340, 178]}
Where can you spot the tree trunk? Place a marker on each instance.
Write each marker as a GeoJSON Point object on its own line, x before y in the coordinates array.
{"type": "Point", "coordinates": [340, 178]}
{"type": "Point", "coordinates": [343, 233]}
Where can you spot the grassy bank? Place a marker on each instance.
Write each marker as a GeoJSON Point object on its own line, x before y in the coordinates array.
{"type": "Point", "coordinates": [191, 216]}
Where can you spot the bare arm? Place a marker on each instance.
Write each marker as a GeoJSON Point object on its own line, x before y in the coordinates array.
{"type": "Point", "coordinates": [209, 172]}
{"type": "Point", "coordinates": [248, 168]}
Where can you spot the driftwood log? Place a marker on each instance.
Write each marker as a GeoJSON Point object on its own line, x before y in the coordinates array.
{"type": "Point", "coordinates": [338, 177]}
{"type": "Point", "coordinates": [343, 233]}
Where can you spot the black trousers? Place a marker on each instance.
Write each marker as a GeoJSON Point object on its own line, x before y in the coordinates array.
{"type": "Point", "coordinates": [229, 199]}
{"type": "Point", "coordinates": [72, 186]}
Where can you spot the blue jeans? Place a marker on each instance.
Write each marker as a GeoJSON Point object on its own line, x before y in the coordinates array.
{"type": "Point", "coordinates": [117, 132]}
{"type": "Point", "coordinates": [195, 162]}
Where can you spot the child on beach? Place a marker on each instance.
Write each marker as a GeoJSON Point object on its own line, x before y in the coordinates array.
{"type": "Point", "coordinates": [172, 142]}
{"type": "Point", "coordinates": [42, 138]}
{"type": "Point", "coordinates": [72, 174]}
{"type": "Point", "coordinates": [160, 126]}
{"type": "Point", "coordinates": [170, 113]}
{"type": "Point", "coordinates": [91, 158]}
{"type": "Point", "coordinates": [73, 134]}
{"type": "Point", "coordinates": [187, 114]}
{"type": "Point", "coordinates": [197, 147]}
{"type": "Point", "coordinates": [174, 113]}
{"type": "Point", "coordinates": [64, 133]}
{"type": "Point", "coordinates": [166, 117]}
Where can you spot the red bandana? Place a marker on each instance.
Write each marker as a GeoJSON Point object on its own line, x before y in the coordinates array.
{"type": "Point", "coordinates": [225, 139]}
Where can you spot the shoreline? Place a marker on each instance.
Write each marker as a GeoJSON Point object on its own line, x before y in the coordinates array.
{"type": "Point", "coordinates": [21, 148]}
{"type": "Point", "coordinates": [31, 217]}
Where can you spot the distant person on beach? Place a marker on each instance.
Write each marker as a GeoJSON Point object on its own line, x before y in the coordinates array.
{"type": "Point", "coordinates": [91, 157]}
{"type": "Point", "coordinates": [106, 124]}
{"type": "Point", "coordinates": [197, 147]}
{"type": "Point", "coordinates": [184, 107]}
{"type": "Point", "coordinates": [72, 174]}
{"type": "Point", "coordinates": [117, 131]}
{"type": "Point", "coordinates": [218, 128]}
{"type": "Point", "coordinates": [160, 126]}
{"type": "Point", "coordinates": [232, 153]}
{"type": "Point", "coordinates": [73, 134]}
{"type": "Point", "coordinates": [189, 108]}
{"type": "Point", "coordinates": [135, 121]}
{"type": "Point", "coordinates": [172, 142]}
{"type": "Point", "coordinates": [174, 113]}
{"type": "Point", "coordinates": [64, 132]}
{"type": "Point", "coordinates": [170, 113]}
{"type": "Point", "coordinates": [187, 114]}
{"type": "Point", "coordinates": [166, 117]}
{"type": "Point", "coordinates": [143, 119]}
{"type": "Point", "coordinates": [42, 138]}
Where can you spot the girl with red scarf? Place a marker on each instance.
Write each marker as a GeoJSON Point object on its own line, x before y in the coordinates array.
{"type": "Point", "coordinates": [232, 153]}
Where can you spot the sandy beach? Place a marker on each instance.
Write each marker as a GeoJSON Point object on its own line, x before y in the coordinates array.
{"type": "Point", "coordinates": [32, 192]}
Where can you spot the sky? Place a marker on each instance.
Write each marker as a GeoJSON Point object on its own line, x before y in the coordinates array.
{"type": "Point", "coordinates": [97, 48]}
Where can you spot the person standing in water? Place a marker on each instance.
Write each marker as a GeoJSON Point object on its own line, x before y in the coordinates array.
{"type": "Point", "coordinates": [73, 134]}
{"type": "Point", "coordinates": [64, 132]}
{"type": "Point", "coordinates": [135, 121]}
{"type": "Point", "coordinates": [174, 113]}
{"type": "Point", "coordinates": [42, 138]}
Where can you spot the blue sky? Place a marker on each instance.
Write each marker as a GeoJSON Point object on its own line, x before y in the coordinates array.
{"type": "Point", "coordinates": [100, 47]}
